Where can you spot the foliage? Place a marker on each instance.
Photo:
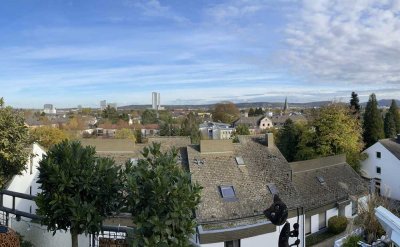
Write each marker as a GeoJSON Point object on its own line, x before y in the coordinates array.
{"type": "Point", "coordinates": [75, 123]}
{"type": "Point", "coordinates": [389, 125]}
{"type": "Point", "coordinates": [138, 135]}
{"type": "Point", "coordinates": [169, 129]}
{"type": "Point", "coordinates": [190, 127]}
{"type": "Point", "coordinates": [78, 189]}
{"type": "Point", "coordinates": [125, 134]}
{"type": "Point", "coordinates": [149, 117]}
{"type": "Point", "coordinates": [373, 123]}
{"type": "Point", "coordinates": [337, 224]}
{"type": "Point", "coordinates": [355, 105]}
{"type": "Point", "coordinates": [251, 112]}
{"type": "Point", "coordinates": [225, 112]}
{"type": "Point", "coordinates": [333, 131]}
{"type": "Point", "coordinates": [14, 138]}
{"type": "Point", "coordinates": [23, 242]}
{"type": "Point", "coordinates": [48, 136]}
{"type": "Point", "coordinates": [255, 112]}
{"type": "Point", "coordinates": [161, 198]}
{"type": "Point", "coordinates": [110, 113]}
{"type": "Point", "coordinates": [288, 138]}
{"type": "Point", "coordinates": [319, 237]}
{"type": "Point", "coordinates": [352, 241]}
{"type": "Point", "coordinates": [394, 110]}
{"type": "Point", "coordinates": [242, 129]}
{"type": "Point", "coordinates": [367, 219]}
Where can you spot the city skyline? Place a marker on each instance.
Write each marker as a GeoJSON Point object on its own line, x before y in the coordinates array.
{"type": "Point", "coordinates": [72, 52]}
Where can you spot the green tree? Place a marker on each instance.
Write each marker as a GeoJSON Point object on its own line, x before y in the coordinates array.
{"type": "Point", "coordinates": [287, 140]}
{"type": "Point", "coordinates": [390, 125]}
{"type": "Point", "coordinates": [161, 198]}
{"type": "Point", "coordinates": [373, 123]}
{"type": "Point", "coordinates": [251, 112]}
{"type": "Point", "coordinates": [355, 104]}
{"type": "Point", "coordinates": [258, 112]}
{"type": "Point", "coordinates": [111, 114]}
{"type": "Point", "coordinates": [225, 112]}
{"type": "Point", "coordinates": [242, 129]}
{"type": "Point", "coordinates": [169, 129]}
{"type": "Point", "coordinates": [394, 110]}
{"type": "Point", "coordinates": [125, 133]}
{"type": "Point", "coordinates": [333, 131]}
{"type": "Point", "coordinates": [190, 127]}
{"type": "Point", "coordinates": [14, 138]}
{"type": "Point", "coordinates": [48, 136]}
{"type": "Point", "coordinates": [79, 190]}
{"type": "Point", "coordinates": [149, 117]}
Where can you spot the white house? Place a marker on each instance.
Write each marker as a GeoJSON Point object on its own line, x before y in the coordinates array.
{"type": "Point", "coordinates": [382, 167]}
{"type": "Point", "coordinates": [216, 131]}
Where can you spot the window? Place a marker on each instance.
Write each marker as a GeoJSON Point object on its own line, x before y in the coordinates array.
{"type": "Point", "coordinates": [233, 243]}
{"type": "Point", "coordinates": [378, 170]}
{"type": "Point", "coordinates": [321, 180]}
{"type": "Point", "coordinates": [227, 193]}
{"type": "Point", "coordinates": [378, 155]}
{"type": "Point", "coordinates": [322, 220]}
{"type": "Point", "coordinates": [239, 160]}
{"type": "Point", "coordinates": [30, 190]}
{"type": "Point", "coordinates": [272, 188]}
{"type": "Point", "coordinates": [308, 225]}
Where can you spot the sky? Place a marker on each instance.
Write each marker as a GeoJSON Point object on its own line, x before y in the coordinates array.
{"type": "Point", "coordinates": [74, 52]}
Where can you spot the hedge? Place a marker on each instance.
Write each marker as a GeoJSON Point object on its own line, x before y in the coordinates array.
{"type": "Point", "coordinates": [337, 224]}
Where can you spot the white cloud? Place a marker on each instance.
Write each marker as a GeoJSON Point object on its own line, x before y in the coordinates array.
{"type": "Point", "coordinates": [346, 41]}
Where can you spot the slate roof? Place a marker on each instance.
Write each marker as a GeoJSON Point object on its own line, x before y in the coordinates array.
{"type": "Point", "coordinates": [262, 165]}
{"type": "Point", "coordinates": [252, 122]}
{"type": "Point", "coordinates": [340, 181]}
{"type": "Point", "coordinates": [392, 145]}
{"type": "Point", "coordinates": [122, 150]}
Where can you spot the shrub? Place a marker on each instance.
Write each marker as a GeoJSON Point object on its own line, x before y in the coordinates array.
{"type": "Point", "coordinates": [352, 241]}
{"type": "Point", "coordinates": [337, 224]}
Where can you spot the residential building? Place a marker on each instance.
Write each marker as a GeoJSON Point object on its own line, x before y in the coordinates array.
{"type": "Point", "coordinates": [150, 130]}
{"type": "Point", "coordinates": [49, 109]}
{"type": "Point", "coordinates": [382, 167]}
{"type": "Point", "coordinates": [103, 104]}
{"type": "Point", "coordinates": [279, 120]}
{"type": "Point", "coordinates": [155, 101]}
{"type": "Point", "coordinates": [255, 124]}
{"type": "Point", "coordinates": [328, 186]}
{"type": "Point", "coordinates": [216, 131]}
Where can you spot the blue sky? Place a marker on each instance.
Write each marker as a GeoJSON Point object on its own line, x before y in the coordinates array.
{"type": "Point", "coordinates": [193, 52]}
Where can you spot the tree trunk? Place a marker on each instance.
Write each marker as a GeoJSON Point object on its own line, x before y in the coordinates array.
{"type": "Point", "coordinates": [74, 239]}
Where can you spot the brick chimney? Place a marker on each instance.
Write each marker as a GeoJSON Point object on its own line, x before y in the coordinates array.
{"type": "Point", "coordinates": [269, 139]}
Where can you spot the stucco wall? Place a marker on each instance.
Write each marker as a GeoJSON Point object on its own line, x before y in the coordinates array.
{"type": "Point", "coordinates": [315, 223]}
{"type": "Point", "coordinates": [330, 213]}
{"type": "Point", "coordinates": [390, 168]}
{"type": "Point", "coordinates": [40, 237]}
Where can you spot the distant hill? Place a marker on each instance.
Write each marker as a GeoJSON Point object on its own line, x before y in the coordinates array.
{"type": "Point", "coordinates": [383, 103]}
{"type": "Point", "coordinates": [239, 105]}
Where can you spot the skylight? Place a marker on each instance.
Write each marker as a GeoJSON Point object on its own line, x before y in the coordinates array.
{"type": "Point", "coordinates": [239, 160]}
{"type": "Point", "coordinates": [321, 179]}
{"type": "Point", "coordinates": [227, 192]}
{"type": "Point", "coordinates": [272, 188]}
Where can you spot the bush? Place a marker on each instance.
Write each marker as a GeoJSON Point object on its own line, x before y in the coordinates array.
{"type": "Point", "coordinates": [337, 224]}
{"type": "Point", "coordinates": [352, 241]}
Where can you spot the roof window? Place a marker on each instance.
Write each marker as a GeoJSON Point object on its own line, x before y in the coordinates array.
{"type": "Point", "coordinates": [228, 193]}
{"type": "Point", "coordinates": [272, 188]}
{"type": "Point", "coordinates": [239, 160]}
{"type": "Point", "coordinates": [321, 180]}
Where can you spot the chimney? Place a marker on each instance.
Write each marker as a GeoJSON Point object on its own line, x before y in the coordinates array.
{"type": "Point", "coordinates": [269, 139]}
{"type": "Point", "coordinates": [398, 138]}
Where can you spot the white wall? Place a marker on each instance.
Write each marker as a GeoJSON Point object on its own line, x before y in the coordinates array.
{"type": "Point", "coordinates": [315, 223]}
{"type": "Point", "coordinates": [269, 239]}
{"type": "Point", "coordinates": [330, 213]}
{"type": "Point", "coordinates": [39, 236]}
{"type": "Point", "coordinates": [21, 183]}
{"type": "Point", "coordinates": [348, 210]}
{"type": "Point", "coordinates": [390, 168]}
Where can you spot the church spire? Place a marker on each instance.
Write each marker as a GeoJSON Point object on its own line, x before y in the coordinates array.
{"type": "Point", "coordinates": [286, 106]}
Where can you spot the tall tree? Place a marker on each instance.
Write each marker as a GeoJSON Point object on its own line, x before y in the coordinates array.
{"type": "Point", "coordinates": [355, 104]}
{"type": "Point", "coordinates": [225, 112]}
{"type": "Point", "coordinates": [48, 136]}
{"type": "Point", "coordinates": [125, 133]}
{"type": "Point", "coordinates": [242, 129]}
{"type": "Point", "coordinates": [161, 198]}
{"type": "Point", "coordinates": [190, 127]}
{"type": "Point", "coordinates": [372, 123]}
{"type": "Point", "coordinates": [394, 110]}
{"type": "Point", "coordinates": [287, 140]}
{"type": "Point", "coordinates": [251, 112]}
{"type": "Point", "coordinates": [333, 131]}
{"type": "Point", "coordinates": [389, 125]}
{"type": "Point", "coordinates": [149, 117]}
{"type": "Point", "coordinates": [78, 189]}
{"type": "Point", "coordinates": [14, 138]}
